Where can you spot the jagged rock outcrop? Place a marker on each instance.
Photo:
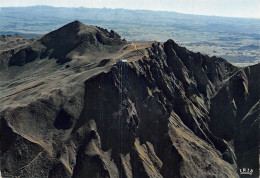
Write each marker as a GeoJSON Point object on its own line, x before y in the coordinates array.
{"type": "Point", "coordinates": [81, 102]}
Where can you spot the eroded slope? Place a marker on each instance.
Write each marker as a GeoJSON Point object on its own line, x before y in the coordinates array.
{"type": "Point", "coordinates": [81, 102]}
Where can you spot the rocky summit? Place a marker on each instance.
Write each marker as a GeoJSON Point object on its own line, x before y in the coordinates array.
{"type": "Point", "coordinates": [81, 102]}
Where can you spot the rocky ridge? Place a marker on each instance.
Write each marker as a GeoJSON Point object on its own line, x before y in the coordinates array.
{"type": "Point", "coordinates": [82, 102]}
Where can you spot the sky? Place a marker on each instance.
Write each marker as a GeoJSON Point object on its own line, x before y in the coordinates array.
{"type": "Point", "coordinates": [228, 8]}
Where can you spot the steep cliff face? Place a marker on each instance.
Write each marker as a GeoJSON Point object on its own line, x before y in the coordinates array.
{"type": "Point", "coordinates": [93, 105]}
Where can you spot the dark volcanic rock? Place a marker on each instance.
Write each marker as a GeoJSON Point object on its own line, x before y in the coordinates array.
{"type": "Point", "coordinates": [84, 103]}
{"type": "Point", "coordinates": [63, 43]}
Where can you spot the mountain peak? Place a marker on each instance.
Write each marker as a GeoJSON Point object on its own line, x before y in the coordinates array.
{"type": "Point", "coordinates": [75, 25]}
{"type": "Point", "coordinates": [66, 31]}
{"type": "Point", "coordinates": [77, 22]}
{"type": "Point", "coordinates": [63, 43]}
{"type": "Point", "coordinates": [76, 30]}
{"type": "Point", "coordinates": [73, 35]}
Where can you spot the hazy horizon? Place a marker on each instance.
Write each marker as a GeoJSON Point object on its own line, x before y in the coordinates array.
{"type": "Point", "coordinates": [254, 18]}
{"type": "Point", "coordinates": [221, 8]}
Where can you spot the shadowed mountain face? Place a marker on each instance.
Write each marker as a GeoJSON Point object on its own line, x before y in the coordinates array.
{"type": "Point", "coordinates": [71, 40]}
{"type": "Point", "coordinates": [81, 102]}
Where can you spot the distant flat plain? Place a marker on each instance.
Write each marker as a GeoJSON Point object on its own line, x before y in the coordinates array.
{"type": "Point", "coordinates": [235, 39]}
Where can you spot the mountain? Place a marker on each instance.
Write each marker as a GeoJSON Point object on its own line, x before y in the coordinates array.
{"type": "Point", "coordinates": [234, 39]}
{"type": "Point", "coordinates": [82, 102]}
